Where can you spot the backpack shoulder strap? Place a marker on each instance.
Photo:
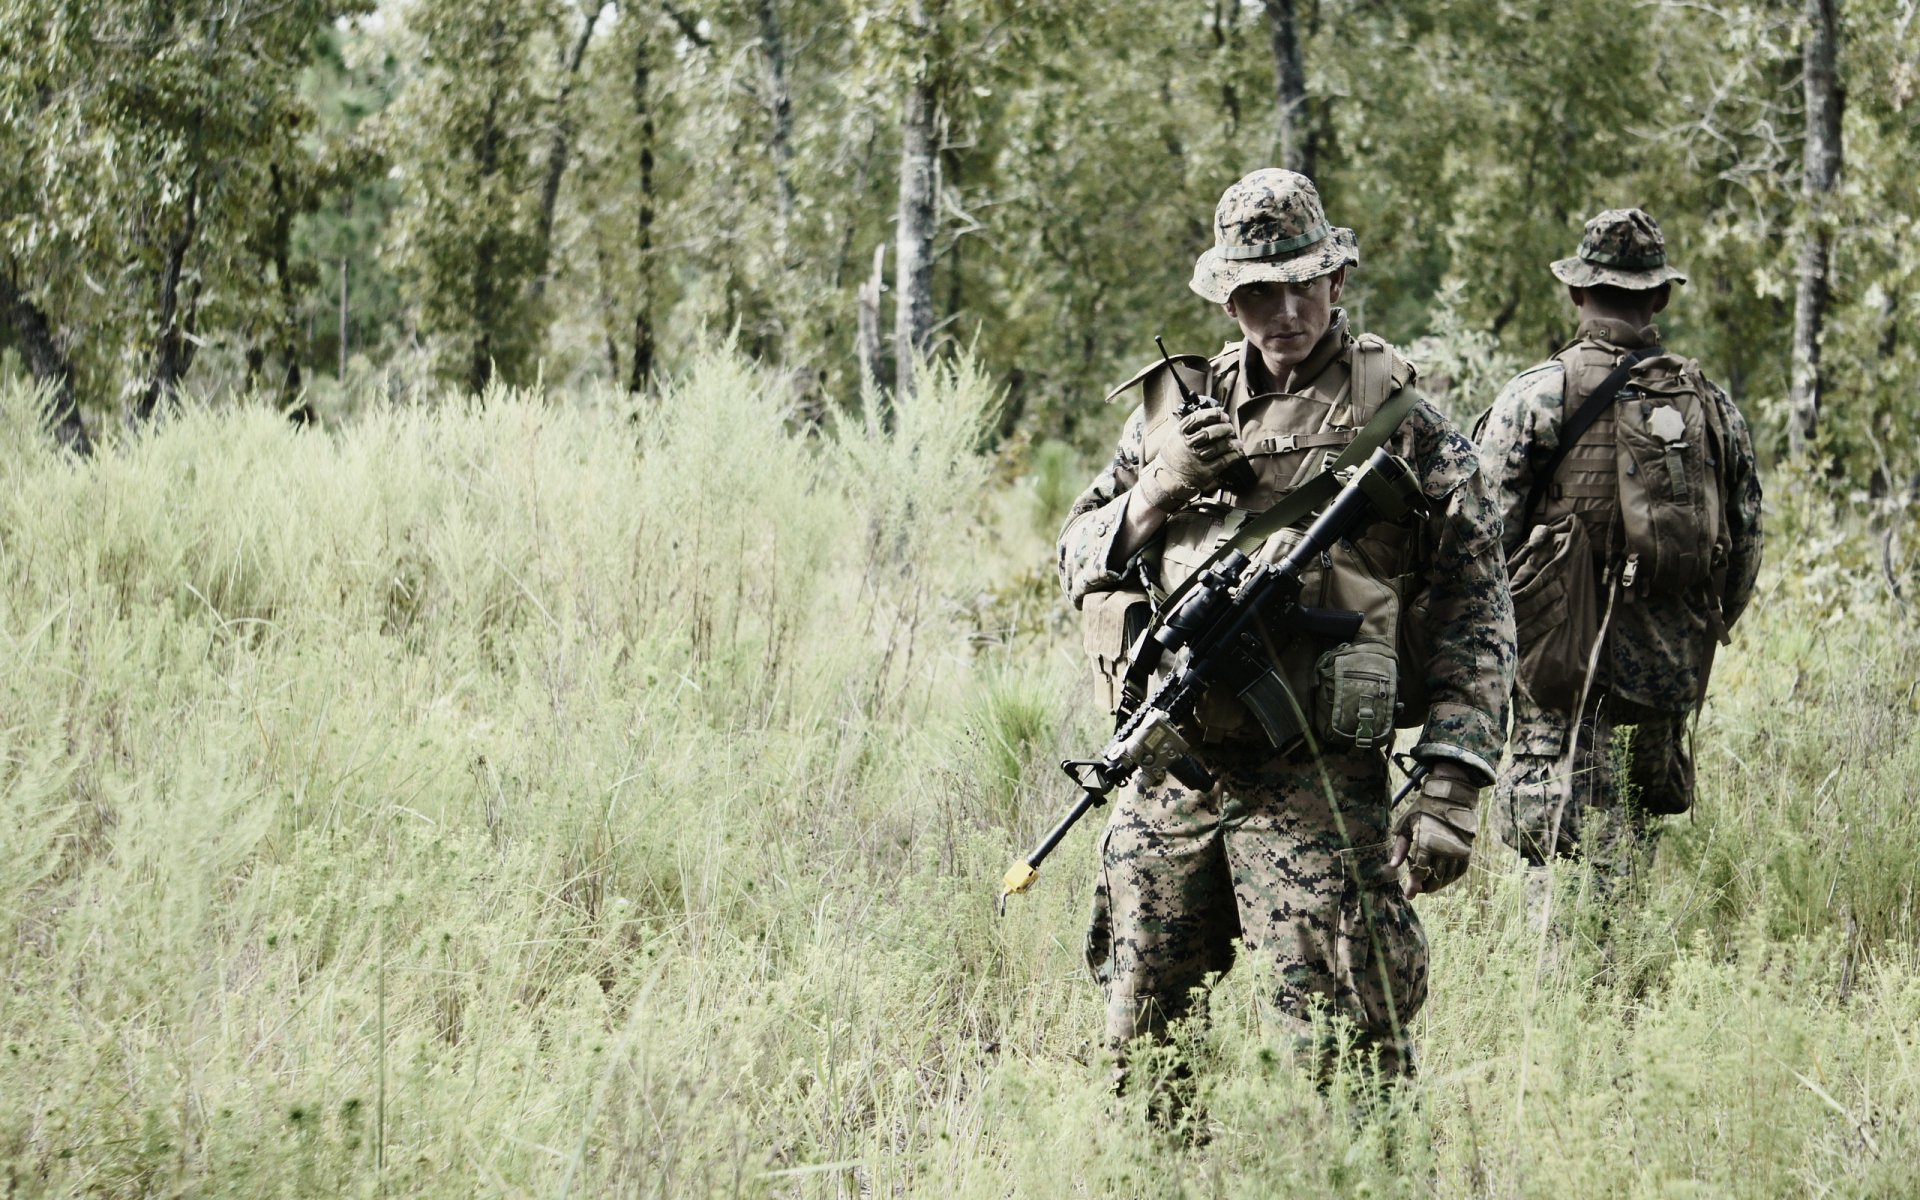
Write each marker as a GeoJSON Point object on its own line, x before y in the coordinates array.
{"type": "Point", "coordinates": [1376, 372]}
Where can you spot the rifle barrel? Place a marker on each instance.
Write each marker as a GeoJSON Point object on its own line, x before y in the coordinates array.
{"type": "Point", "coordinates": [1024, 872]}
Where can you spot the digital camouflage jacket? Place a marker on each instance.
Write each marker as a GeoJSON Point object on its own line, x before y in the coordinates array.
{"type": "Point", "coordinates": [1448, 592]}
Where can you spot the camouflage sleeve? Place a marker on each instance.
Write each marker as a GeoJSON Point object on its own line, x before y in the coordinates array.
{"type": "Point", "coordinates": [1086, 542]}
{"type": "Point", "coordinates": [1522, 427]}
{"type": "Point", "coordinates": [1743, 509]}
{"type": "Point", "coordinates": [1467, 616]}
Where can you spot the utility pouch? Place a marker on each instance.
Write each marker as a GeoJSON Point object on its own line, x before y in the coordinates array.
{"type": "Point", "coordinates": [1670, 498]}
{"type": "Point", "coordinates": [1354, 701]}
{"type": "Point", "coordinates": [1556, 609]}
{"type": "Point", "coordinates": [1109, 624]}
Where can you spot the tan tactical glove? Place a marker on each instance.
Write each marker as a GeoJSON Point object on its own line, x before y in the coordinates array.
{"type": "Point", "coordinates": [1191, 463]}
{"type": "Point", "coordinates": [1434, 836]}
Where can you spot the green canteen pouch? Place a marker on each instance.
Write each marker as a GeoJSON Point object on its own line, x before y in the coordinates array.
{"type": "Point", "coordinates": [1354, 700]}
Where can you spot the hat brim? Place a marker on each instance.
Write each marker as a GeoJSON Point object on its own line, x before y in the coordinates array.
{"type": "Point", "coordinates": [1578, 272]}
{"type": "Point", "coordinates": [1215, 277]}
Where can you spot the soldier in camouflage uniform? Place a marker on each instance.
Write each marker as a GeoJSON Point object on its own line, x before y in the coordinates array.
{"type": "Point", "coordinates": [1292, 856]}
{"type": "Point", "coordinates": [1561, 793]}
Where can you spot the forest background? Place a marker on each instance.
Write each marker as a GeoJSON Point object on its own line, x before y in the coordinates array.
{"type": "Point", "coordinates": [427, 767]}
{"type": "Point", "coordinates": [300, 199]}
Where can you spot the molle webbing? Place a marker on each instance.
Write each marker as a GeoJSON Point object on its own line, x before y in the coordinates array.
{"type": "Point", "coordinates": [1593, 407]}
{"type": "Point", "coordinates": [1591, 491]}
{"type": "Point", "coordinates": [1288, 443]}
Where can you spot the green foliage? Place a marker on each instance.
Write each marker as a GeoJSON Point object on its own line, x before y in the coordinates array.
{"type": "Point", "coordinates": [1058, 476]}
{"type": "Point", "coordinates": [465, 137]}
{"type": "Point", "coordinates": [499, 203]}
{"type": "Point", "coordinates": [607, 796]}
{"type": "Point", "coordinates": [350, 81]}
{"type": "Point", "coordinates": [151, 153]}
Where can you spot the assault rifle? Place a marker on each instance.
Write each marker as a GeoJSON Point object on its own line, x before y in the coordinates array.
{"type": "Point", "coordinates": [1216, 635]}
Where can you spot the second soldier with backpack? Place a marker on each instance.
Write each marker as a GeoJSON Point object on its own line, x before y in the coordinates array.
{"type": "Point", "coordinates": [1631, 506]}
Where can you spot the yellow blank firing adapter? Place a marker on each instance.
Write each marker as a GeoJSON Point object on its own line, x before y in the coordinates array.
{"type": "Point", "coordinates": [1019, 878]}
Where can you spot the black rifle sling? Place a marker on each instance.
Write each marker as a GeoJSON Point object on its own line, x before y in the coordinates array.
{"type": "Point", "coordinates": [1582, 420]}
{"type": "Point", "coordinates": [1294, 507]}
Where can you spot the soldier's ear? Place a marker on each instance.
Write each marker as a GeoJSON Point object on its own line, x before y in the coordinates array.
{"type": "Point", "coordinates": [1333, 288]}
{"type": "Point", "coordinates": [1661, 295]}
{"type": "Point", "coordinates": [1230, 310]}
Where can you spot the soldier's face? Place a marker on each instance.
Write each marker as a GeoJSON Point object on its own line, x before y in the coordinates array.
{"type": "Point", "coordinates": [1284, 321]}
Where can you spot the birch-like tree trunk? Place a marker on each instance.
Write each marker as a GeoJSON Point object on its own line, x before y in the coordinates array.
{"type": "Point", "coordinates": [913, 235]}
{"type": "Point", "coordinates": [1822, 163]}
{"type": "Point", "coordinates": [867, 340]}
{"type": "Point", "coordinates": [1290, 86]}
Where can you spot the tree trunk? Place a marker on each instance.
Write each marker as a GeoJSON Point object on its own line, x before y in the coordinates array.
{"type": "Point", "coordinates": [48, 361]}
{"type": "Point", "coordinates": [861, 174]}
{"type": "Point", "coordinates": [173, 347]}
{"type": "Point", "coordinates": [1290, 85]}
{"type": "Point", "coordinates": [560, 148]}
{"type": "Point", "coordinates": [286, 331]}
{"type": "Point", "coordinates": [1824, 99]}
{"type": "Point", "coordinates": [642, 372]}
{"type": "Point", "coordinates": [345, 312]}
{"type": "Point", "coordinates": [1226, 21]}
{"type": "Point", "coordinates": [486, 254]}
{"type": "Point", "coordinates": [913, 253]}
{"type": "Point", "coordinates": [867, 340]}
{"type": "Point", "coordinates": [780, 101]}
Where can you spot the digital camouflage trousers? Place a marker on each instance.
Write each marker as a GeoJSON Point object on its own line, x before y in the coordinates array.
{"type": "Point", "coordinates": [1591, 791]}
{"type": "Point", "coordinates": [1288, 864]}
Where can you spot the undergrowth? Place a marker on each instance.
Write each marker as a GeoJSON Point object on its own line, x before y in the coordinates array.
{"type": "Point", "coordinates": [607, 797]}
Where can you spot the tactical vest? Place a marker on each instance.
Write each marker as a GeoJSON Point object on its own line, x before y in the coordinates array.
{"type": "Point", "coordinates": [1646, 483]}
{"type": "Point", "coordinates": [1352, 696]}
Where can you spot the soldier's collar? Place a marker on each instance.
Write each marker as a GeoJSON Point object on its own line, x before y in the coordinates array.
{"type": "Point", "coordinates": [1332, 344]}
{"type": "Point", "coordinates": [1623, 334]}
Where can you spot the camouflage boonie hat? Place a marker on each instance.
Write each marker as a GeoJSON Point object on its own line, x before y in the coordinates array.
{"type": "Point", "coordinates": [1270, 226]}
{"type": "Point", "coordinates": [1622, 248]}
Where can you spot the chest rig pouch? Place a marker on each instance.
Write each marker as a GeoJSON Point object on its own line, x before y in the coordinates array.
{"type": "Point", "coordinates": [1112, 621]}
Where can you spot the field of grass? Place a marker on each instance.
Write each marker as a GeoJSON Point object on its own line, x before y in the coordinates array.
{"type": "Point", "coordinates": [589, 797]}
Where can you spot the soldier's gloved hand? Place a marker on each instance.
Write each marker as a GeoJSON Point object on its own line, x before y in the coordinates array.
{"type": "Point", "coordinates": [1192, 462]}
{"type": "Point", "coordinates": [1434, 836]}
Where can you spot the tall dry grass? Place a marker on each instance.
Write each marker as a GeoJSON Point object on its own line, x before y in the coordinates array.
{"type": "Point", "coordinates": [590, 798]}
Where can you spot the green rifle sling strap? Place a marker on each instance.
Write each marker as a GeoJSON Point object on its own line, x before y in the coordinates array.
{"type": "Point", "coordinates": [1297, 505]}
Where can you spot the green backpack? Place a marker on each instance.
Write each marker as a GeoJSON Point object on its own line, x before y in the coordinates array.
{"type": "Point", "coordinates": [1647, 518]}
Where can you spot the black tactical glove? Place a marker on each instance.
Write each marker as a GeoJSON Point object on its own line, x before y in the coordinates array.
{"type": "Point", "coordinates": [1434, 836]}
{"type": "Point", "coordinates": [1192, 462]}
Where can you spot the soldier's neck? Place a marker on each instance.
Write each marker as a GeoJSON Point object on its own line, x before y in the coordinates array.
{"type": "Point", "coordinates": [1631, 330]}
